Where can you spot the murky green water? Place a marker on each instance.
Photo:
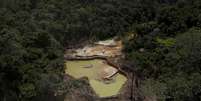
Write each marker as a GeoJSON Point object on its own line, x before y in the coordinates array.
{"type": "Point", "coordinates": [91, 69]}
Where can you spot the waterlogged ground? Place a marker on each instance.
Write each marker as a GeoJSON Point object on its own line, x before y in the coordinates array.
{"type": "Point", "coordinates": [93, 70]}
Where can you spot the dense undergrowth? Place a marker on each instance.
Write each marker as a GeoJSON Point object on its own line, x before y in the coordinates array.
{"type": "Point", "coordinates": [161, 38]}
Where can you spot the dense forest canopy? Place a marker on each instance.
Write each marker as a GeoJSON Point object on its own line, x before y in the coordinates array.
{"type": "Point", "coordinates": [162, 38]}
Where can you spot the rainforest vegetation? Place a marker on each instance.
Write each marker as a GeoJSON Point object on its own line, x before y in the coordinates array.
{"type": "Point", "coordinates": [162, 42]}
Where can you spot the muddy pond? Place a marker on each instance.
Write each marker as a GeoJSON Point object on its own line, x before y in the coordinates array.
{"type": "Point", "coordinates": [105, 80]}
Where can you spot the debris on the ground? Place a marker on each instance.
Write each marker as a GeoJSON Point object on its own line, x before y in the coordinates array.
{"type": "Point", "coordinates": [109, 48]}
